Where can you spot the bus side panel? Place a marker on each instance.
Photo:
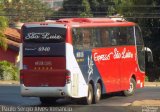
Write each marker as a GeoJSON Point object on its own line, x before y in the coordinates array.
{"type": "Point", "coordinates": [79, 86]}
{"type": "Point", "coordinates": [140, 79]}
{"type": "Point", "coordinates": [108, 64]}
{"type": "Point", "coordinates": [127, 65]}
{"type": "Point", "coordinates": [88, 67]}
{"type": "Point", "coordinates": [108, 67]}
{"type": "Point", "coordinates": [116, 66]}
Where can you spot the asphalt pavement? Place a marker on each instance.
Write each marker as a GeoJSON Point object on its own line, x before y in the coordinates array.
{"type": "Point", "coordinates": [146, 100]}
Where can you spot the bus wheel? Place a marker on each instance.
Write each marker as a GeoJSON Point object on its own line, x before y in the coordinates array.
{"type": "Point", "coordinates": [132, 88]}
{"type": "Point", "coordinates": [48, 100]}
{"type": "Point", "coordinates": [88, 100]}
{"type": "Point", "coordinates": [98, 93]}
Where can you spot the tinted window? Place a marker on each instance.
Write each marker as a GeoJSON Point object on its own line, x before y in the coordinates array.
{"type": "Point", "coordinates": [126, 36]}
{"type": "Point", "coordinates": [44, 34]}
{"type": "Point", "coordinates": [82, 38]}
{"type": "Point", "coordinates": [85, 38]}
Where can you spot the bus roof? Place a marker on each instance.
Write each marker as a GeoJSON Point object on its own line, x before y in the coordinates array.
{"type": "Point", "coordinates": [87, 22]}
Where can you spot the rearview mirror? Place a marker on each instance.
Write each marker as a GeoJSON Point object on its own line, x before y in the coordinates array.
{"type": "Point", "coordinates": [148, 54]}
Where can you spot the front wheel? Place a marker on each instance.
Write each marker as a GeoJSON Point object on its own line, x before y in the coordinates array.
{"type": "Point", "coordinates": [132, 88]}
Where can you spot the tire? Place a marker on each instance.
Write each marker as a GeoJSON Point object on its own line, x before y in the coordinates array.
{"type": "Point", "coordinates": [132, 88]}
{"type": "Point", "coordinates": [89, 99]}
{"type": "Point", "coordinates": [48, 100]}
{"type": "Point", "coordinates": [98, 93]}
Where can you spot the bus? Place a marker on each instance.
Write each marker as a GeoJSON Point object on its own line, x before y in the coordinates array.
{"type": "Point", "coordinates": [81, 58]}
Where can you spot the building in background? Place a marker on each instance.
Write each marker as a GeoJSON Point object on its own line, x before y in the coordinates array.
{"type": "Point", "coordinates": [13, 40]}
{"type": "Point", "coordinates": [54, 4]}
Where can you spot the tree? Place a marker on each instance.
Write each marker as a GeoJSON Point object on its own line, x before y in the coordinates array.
{"type": "Point", "coordinates": [99, 7]}
{"type": "Point", "coordinates": [8, 71]}
{"type": "Point", "coordinates": [3, 25]}
{"type": "Point", "coordinates": [146, 14]}
{"type": "Point", "coordinates": [76, 8]}
{"type": "Point", "coordinates": [87, 8]}
{"type": "Point", "coordinates": [26, 10]}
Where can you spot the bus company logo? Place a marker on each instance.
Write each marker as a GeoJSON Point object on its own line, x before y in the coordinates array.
{"type": "Point", "coordinates": [45, 36]}
{"type": "Point", "coordinates": [115, 55]}
{"type": "Point", "coordinates": [126, 54]}
{"type": "Point", "coordinates": [90, 66]}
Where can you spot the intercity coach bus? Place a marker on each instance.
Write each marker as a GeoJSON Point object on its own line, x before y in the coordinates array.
{"type": "Point", "coordinates": [81, 58]}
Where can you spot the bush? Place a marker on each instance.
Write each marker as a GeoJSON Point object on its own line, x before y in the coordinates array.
{"type": "Point", "coordinates": [8, 71]}
{"type": "Point", "coordinates": [146, 78]}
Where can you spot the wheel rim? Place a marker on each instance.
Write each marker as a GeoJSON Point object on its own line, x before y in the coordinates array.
{"type": "Point", "coordinates": [90, 94]}
{"type": "Point", "coordinates": [131, 88]}
{"type": "Point", "coordinates": [98, 93]}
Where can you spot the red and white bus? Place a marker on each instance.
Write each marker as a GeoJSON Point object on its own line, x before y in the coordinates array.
{"type": "Point", "coordinates": [81, 58]}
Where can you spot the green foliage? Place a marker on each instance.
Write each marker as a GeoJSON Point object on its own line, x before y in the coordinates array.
{"type": "Point", "coordinates": [86, 12]}
{"type": "Point", "coordinates": [3, 25]}
{"type": "Point", "coordinates": [146, 14]}
{"type": "Point", "coordinates": [74, 8]}
{"type": "Point", "coordinates": [146, 78]}
{"type": "Point", "coordinates": [84, 8]}
{"type": "Point", "coordinates": [8, 71]}
{"type": "Point", "coordinates": [100, 7]}
{"type": "Point", "coordinates": [26, 10]}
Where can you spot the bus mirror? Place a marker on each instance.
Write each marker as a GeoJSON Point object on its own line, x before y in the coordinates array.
{"type": "Point", "coordinates": [149, 55]}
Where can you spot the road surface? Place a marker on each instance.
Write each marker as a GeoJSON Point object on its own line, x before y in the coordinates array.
{"type": "Point", "coordinates": [11, 100]}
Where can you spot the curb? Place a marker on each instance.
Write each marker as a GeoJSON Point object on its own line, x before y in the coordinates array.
{"type": "Point", "coordinates": [152, 84]}
{"type": "Point", "coordinates": [9, 83]}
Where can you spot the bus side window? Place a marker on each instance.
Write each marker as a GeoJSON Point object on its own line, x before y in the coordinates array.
{"type": "Point", "coordinates": [113, 35]}
{"type": "Point", "coordinates": [77, 38]}
{"type": "Point", "coordinates": [130, 36]}
{"type": "Point", "coordinates": [97, 40]}
{"type": "Point", "coordinates": [126, 36]}
{"type": "Point", "coordinates": [122, 36]}
{"type": "Point", "coordinates": [86, 39]}
{"type": "Point", "coordinates": [105, 38]}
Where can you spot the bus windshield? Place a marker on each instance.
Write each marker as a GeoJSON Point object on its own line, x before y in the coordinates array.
{"type": "Point", "coordinates": [44, 34]}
